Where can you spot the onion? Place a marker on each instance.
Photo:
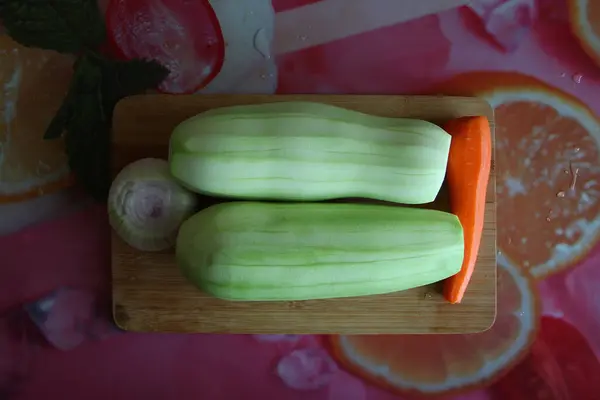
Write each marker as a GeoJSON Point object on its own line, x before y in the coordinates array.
{"type": "Point", "coordinates": [146, 205]}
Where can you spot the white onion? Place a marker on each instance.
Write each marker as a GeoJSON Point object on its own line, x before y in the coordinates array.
{"type": "Point", "coordinates": [146, 205]}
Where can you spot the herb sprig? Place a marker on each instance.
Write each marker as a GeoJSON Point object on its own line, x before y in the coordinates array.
{"type": "Point", "coordinates": [98, 83]}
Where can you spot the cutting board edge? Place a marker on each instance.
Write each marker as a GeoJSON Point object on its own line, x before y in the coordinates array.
{"type": "Point", "coordinates": [122, 107]}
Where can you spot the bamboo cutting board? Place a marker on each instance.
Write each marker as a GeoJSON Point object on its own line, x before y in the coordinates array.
{"type": "Point", "coordinates": [149, 293]}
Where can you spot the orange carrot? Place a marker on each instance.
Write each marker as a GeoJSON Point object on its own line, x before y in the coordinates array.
{"type": "Point", "coordinates": [468, 174]}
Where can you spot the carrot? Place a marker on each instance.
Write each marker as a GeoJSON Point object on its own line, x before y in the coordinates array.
{"type": "Point", "coordinates": [468, 175]}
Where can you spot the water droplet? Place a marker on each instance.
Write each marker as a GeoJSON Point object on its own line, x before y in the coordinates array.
{"type": "Point", "coordinates": [561, 194]}
{"type": "Point", "coordinates": [509, 240]}
{"type": "Point", "coordinates": [303, 38]}
{"type": "Point", "coordinates": [577, 78]}
{"type": "Point", "coordinates": [563, 74]}
{"type": "Point", "coordinates": [566, 171]}
{"type": "Point", "coordinates": [576, 150]}
{"type": "Point", "coordinates": [428, 295]}
{"type": "Point", "coordinates": [575, 175]}
{"type": "Point", "coordinates": [261, 43]}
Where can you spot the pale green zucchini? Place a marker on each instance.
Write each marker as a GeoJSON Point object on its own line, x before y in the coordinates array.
{"type": "Point", "coordinates": [284, 251]}
{"type": "Point", "coordinates": [309, 151]}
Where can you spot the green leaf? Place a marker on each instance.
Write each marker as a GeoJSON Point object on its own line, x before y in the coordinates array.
{"type": "Point", "coordinates": [137, 76]}
{"type": "Point", "coordinates": [77, 27]}
{"type": "Point", "coordinates": [67, 26]}
{"type": "Point", "coordinates": [88, 135]}
{"type": "Point", "coordinates": [126, 78]}
{"type": "Point", "coordinates": [59, 123]}
{"type": "Point", "coordinates": [98, 84]}
{"type": "Point", "coordinates": [86, 79]}
{"type": "Point", "coordinates": [88, 152]}
{"type": "Point", "coordinates": [88, 74]}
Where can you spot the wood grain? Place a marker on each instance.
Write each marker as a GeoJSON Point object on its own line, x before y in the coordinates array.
{"type": "Point", "coordinates": [149, 293]}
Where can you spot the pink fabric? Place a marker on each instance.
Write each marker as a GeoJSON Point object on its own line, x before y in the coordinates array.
{"type": "Point", "coordinates": [54, 278]}
{"type": "Point", "coordinates": [72, 251]}
{"type": "Point", "coordinates": [307, 369]}
{"type": "Point", "coordinates": [68, 317]}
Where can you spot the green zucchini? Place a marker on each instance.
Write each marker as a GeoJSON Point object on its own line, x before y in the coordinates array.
{"type": "Point", "coordinates": [288, 251]}
{"type": "Point", "coordinates": [307, 152]}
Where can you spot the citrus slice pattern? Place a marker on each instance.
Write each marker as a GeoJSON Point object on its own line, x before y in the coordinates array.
{"type": "Point", "coordinates": [185, 36]}
{"type": "Point", "coordinates": [548, 169]}
{"type": "Point", "coordinates": [35, 82]}
{"type": "Point", "coordinates": [445, 364]}
{"type": "Point", "coordinates": [560, 365]}
{"type": "Point", "coordinates": [585, 23]}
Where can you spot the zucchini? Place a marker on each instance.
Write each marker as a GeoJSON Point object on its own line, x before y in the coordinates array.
{"type": "Point", "coordinates": [305, 151]}
{"type": "Point", "coordinates": [297, 251]}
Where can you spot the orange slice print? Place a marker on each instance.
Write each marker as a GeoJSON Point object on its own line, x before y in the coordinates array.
{"type": "Point", "coordinates": [448, 364]}
{"type": "Point", "coordinates": [34, 82]}
{"type": "Point", "coordinates": [585, 23]}
{"type": "Point", "coordinates": [548, 169]}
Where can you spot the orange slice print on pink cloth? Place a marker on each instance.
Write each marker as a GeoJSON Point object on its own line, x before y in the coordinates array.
{"type": "Point", "coordinates": [447, 364]}
{"type": "Point", "coordinates": [34, 84]}
{"type": "Point", "coordinates": [585, 23]}
{"type": "Point", "coordinates": [561, 364]}
{"type": "Point", "coordinates": [548, 169]}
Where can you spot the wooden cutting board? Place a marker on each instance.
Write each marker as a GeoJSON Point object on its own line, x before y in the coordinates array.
{"type": "Point", "coordinates": [149, 294]}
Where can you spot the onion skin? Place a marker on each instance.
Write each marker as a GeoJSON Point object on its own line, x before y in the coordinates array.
{"type": "Point", "coordinates": [146, 205]}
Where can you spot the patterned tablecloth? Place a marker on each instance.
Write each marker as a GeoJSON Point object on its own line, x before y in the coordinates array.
{"type": "Point", "coordinates": [536, 62]}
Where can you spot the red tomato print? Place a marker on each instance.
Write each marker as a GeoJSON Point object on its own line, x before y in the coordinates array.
{"type": "Point", "coordinates": [284, 5]}
{"type": "Point", "coordinates": [183, 35]}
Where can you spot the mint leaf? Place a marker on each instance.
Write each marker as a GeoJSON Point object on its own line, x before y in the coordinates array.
{"type": "Point", "coordinates": [87, 77]}
{"type": "Point", "coordinates": [58, 125]}
{"type": "Point", "coordinates": [66, 26]}
{"type": "Point", "coordinates": [85, 117]}
{"type": "Point", "coordinates": [127, 78]}
{"type": "Point", "coordinates": [86, 114]}
{"type": "Point", "coordinates": [88, 130]}
{"type": "Point", "coordinates": [135, 76]}
{"type": "Point", "coordinates": [88, 152]}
